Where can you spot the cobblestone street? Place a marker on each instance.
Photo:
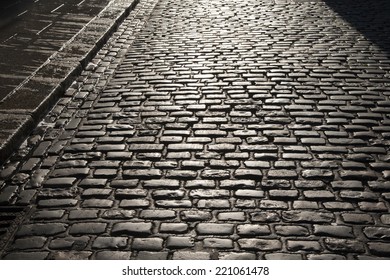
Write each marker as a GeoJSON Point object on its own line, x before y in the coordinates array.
{"type": "Point", "coordinates": [213, 129]}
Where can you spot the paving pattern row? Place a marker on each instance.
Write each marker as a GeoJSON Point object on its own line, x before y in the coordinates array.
{"type": "Point", "coordinates": [212, 130]}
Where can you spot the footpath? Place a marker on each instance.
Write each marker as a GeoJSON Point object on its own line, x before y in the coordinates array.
{"type": "Point", "coordinates": [47, 52]}
{"type": "Point", "coordinates": [220, 129]}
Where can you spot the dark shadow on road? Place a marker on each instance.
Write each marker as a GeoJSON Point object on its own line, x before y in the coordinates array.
{"type": "Point", "coordinates": [370, 17]}
{"type": "Point", "coordinates": [10, 9]}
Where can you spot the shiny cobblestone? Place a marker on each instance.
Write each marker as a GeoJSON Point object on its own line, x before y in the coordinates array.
{"type": "Point", "coordinates": [213, 129]}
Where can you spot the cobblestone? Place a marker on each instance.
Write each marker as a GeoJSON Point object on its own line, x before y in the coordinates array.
{"type": "Point", "coordinates": [152, 244]}
{"type": "Point", "coordinates": [29, 243]}
{"type": "Point", "coordinates": [291, 230]}
{"type": "Point", "coordinates": [200, 135]}
{"type": "Point", "coordinates": [189, 255]}
{"type": "Point", "coordinates": [259, 244]}
{"type": "Point", "coordinates": [302, 245]}
{"type": "Point", "coordinates": [109, 242]}
{"type": "Point", "coordinates": [334, 231]}
{"type": "Point", "coordinates": [344, 245]}
{"type": "Point", "coordinates": [237, 256]}
{"type": "Point", "coordinates": [218, 229]}
{"type": "Point", "coordinates": [180, 242]}
{"type": "Point", "coordinates": [377, 232]}
{"type": "Point", "coordinates": [87, 228]}
{"type": "Point", "coordinates": [112, 255]}
{"type": "Point", "coordinates": [41, 229]}
{"type": "Point", "coordinates": [132, 228]}
{"type": "Point", "coordinates": [379, 249]}
{"type": "Point", "coordinates": [252, 230]}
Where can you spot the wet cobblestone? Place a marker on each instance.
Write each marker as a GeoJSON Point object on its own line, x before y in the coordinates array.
{"type": "Point", "coordinates": [212, 130]}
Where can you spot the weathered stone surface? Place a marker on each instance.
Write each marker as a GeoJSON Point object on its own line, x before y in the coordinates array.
{"type": "Point", "coordinates": [218, 243]}
{"type": "Point", "coordinates": [334, 231]}
{"type": "Point", "coordinates": [210, 229]}
{"type": "Point", "coordinates": [286, 230]}
{"type": "Point", "coordinates": [379, 249]}
{"type": "Point", "coordinates": [303, 245]}
{"type": "Point", "coordinates": [102, 242]}
{"type": "Point", "coordinates": [157, 214]}
{"type": "Point", "coordinates": [87, 228]}
{"type": "Point", "coordinates": [146, 255]}
{"type": "Point", "coordinates": [35, 242]}
{"type": "Point", "coordinates": [69, 243]}
{"type": "Point", "coordinates": [42, 229]}
{"type": "Point", "coordinates": [193, 215]}
{"type": "Point", "coordinates": [179, 141]}
{"type": "Point", "coordinates": [237, 256]}
{"type": "Point", "coordinates": [71, 255]}
{"type": "Point", "coordinates": [189, 255]}
{"type": "Point", "coordinates": [129, 228]}
{"type": "Point", "coordinates": [253, 230]}
{"type": "Point", "coordinates": [151, 244]}
{"type": "Point", "coordinates": [180, 242]}
{"type": "Point", "coordinates": [344, 245]}
{"type": "Point", "coordinates": [308, 216]}
{"type": "Point", "coordinates": [112, 255]}
{"type": "Point", "coordinates": [377, 232]}
{"type": "Point", "coordinates": [259, 244]}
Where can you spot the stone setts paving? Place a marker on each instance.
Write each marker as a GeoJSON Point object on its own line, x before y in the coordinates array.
{"type": "Point", "coordinates": [212, 130]}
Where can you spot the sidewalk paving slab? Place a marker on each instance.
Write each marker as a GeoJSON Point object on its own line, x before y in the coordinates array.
{"type": "Point", "coordinates": [30, 101]}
